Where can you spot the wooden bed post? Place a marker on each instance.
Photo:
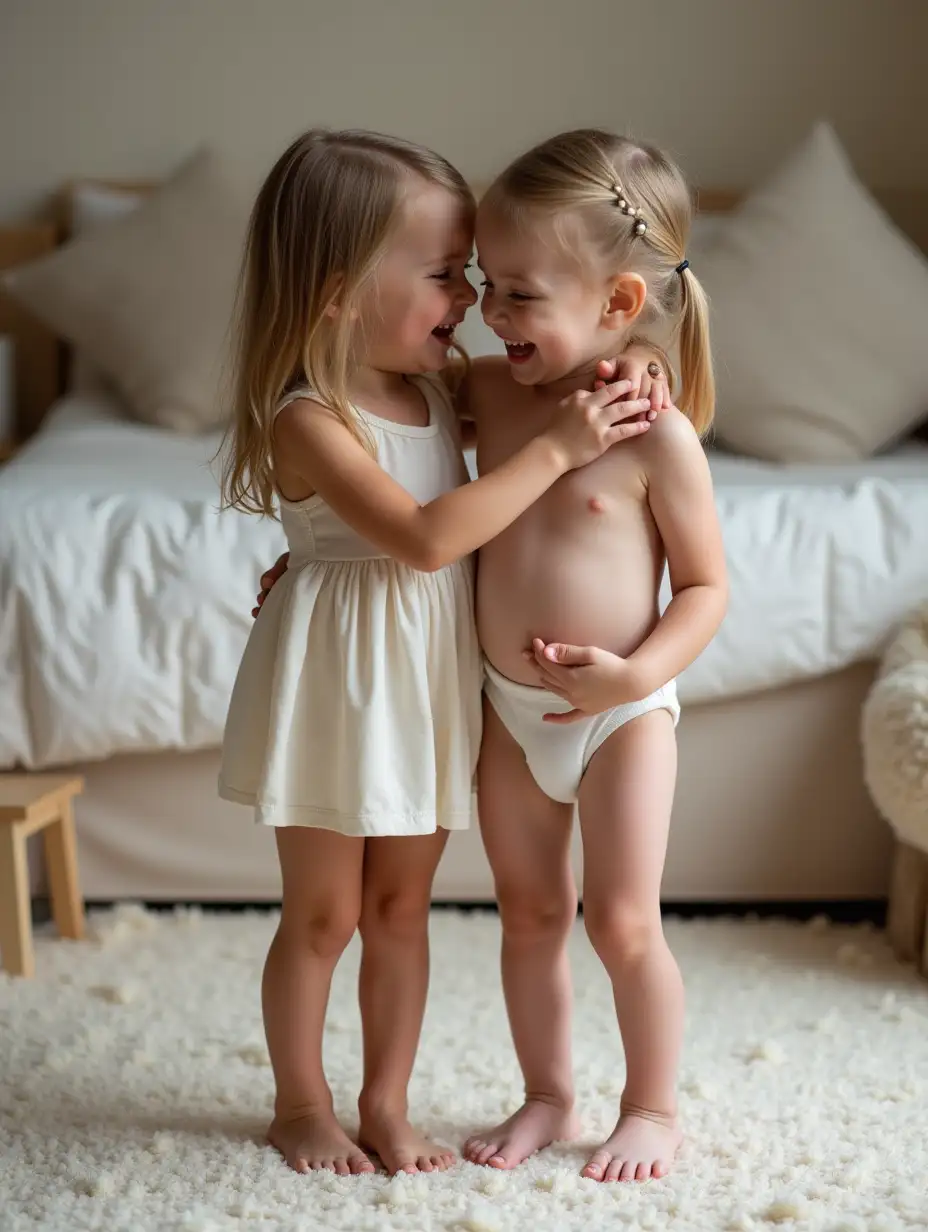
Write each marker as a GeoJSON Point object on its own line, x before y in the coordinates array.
{"type": "Point", "coordinates": [907, 922]}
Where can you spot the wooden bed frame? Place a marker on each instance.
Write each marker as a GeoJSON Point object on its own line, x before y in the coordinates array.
{"type": "Point", "coordinates": [41, 357]}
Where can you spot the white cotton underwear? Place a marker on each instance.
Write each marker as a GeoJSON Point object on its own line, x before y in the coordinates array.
{"type": "Point", "coordinates": [559, 753]}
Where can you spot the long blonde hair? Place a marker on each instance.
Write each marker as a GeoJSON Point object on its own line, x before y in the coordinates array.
{"type": "Point", "coordinates": [318, 229]}
{"type": "Point", "coordinates": [638, 210]}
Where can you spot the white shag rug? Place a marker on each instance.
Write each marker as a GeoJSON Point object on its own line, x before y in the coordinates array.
{"type": "Point", "coordinates": [135, 1088]}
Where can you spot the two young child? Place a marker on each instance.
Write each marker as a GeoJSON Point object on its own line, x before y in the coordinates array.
{"type": "Point", "coordinates": [355, 723]}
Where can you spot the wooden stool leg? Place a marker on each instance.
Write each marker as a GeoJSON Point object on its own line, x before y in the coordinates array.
{"type": "Point", "coordinates": [908, 903]}
{"type": "Point", "coordinates": [61, 859]}
{"type": "Point", "coordinates": [15, 904]}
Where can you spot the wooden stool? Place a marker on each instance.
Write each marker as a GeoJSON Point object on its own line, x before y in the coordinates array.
{"type": "Point", "coordinates": [907, 921]}
{"type": "Point", "coordinates": [31, 802]}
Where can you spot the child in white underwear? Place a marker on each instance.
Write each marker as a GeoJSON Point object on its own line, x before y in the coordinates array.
{"type": "Point", "coordinates": [583, 241]}
{"type": "Point", "coordinates": [558, 756]}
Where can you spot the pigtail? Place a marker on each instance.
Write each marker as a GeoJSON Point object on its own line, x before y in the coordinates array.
{"type": "Point", "coordinates": [697, 395]}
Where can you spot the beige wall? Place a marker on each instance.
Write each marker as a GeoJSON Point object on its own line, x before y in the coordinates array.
{"type": "Point", "coordinates": [128, 87]}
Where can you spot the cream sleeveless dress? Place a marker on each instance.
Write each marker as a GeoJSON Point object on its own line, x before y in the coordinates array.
{"type": "Point", "coordinates": [357, 703]}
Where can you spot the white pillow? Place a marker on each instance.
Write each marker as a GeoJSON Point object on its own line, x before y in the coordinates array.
{"type": "Point", "coordinates": [93, 206]}
{"type": "Point", "coordinates": [149, 298]}
{"type": "Point", "coordinates": [819, 316]}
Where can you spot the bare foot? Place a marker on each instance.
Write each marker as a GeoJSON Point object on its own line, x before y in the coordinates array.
{"type": "Point", "coordinates": [536, 1125]}
{"type": "Point", "coordinates": [638, 1150]}
{"type": "Point", "coordinates": [318, 1144]}
{"type": "Point", "coordinates": [399, 1147]}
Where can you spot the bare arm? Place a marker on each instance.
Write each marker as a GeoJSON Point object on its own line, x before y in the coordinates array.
{"type": "Point", "coordinates": [322, 451]}
{"type": "Point", "coordinates": [683, 506]}
{"type": "Point", "coordinates": [632, 365]}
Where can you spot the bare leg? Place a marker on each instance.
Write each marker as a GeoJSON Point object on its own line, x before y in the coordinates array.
{"type": "Point", "coordinates": [625, 802]}
{"type": "Point", "coordinates": [321, 905]}
{"type": "Point", "coordinates": [398, 875]}
{"type": "Point", "coordinates": [527, 837]}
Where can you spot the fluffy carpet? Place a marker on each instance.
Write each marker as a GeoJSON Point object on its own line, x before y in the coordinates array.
{"type": "Point", "coordinates": [136, 1088]}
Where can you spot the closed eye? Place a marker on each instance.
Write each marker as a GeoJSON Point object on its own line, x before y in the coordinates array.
{"type": "Point", "coordinates": [445, 274]}
{"type": "Point", "coordinates": [518, 296]}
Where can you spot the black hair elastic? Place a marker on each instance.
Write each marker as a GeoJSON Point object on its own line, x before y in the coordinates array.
{"type": "Point", "coordinates": [684, 265]}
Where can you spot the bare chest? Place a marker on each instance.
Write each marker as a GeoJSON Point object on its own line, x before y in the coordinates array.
{"type": "Point", "coordinates": [605, 493]}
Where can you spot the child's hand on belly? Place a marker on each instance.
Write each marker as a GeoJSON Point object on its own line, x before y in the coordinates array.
{"type": "Point", "coordinates": [590, 679]}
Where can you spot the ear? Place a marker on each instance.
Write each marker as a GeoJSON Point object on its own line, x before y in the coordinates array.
{"type": "Point", "coordinates": [628, 294]}
{"type": "Point", "coordinates": [333, 307]}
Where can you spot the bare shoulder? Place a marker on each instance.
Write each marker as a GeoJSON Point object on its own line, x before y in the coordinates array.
{"type": "Point", "coordinates": [670, 443]}
{"type": "Point", "coordinates": [308, 435]}
{"type": "Point", "coordinates": [302, 416]}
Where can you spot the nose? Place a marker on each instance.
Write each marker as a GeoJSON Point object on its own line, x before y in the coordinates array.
{"type": "Point", "coordinates": [491, 311]}
{"type": "Point", "coordinates": [466, 294]}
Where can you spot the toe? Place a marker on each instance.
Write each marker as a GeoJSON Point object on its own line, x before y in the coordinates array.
{"type": "Point", "coordinates": [597, 1165]}
{"type": "Point", "coordinates": [327, 1165]}
{"type": "Point", "coordinates": [359, 1163]}
{"type": "Point", "coordinates": [505, 1159]}
{"type": "Point", "coordinates": [628, 1171]}
{"type": "Point", "coordinates": [643, 1172]}
{"type": "Point", "coordinates": [615, 1170]}
{"type": "Point", "coordinates": [472, 1148]}
{"type": "Point", "coordinates": [424, 1164]}
{"type": "Point", "coordinates": [403, 1161]}
{"type": "Point", "coordinates": [659, 1169]}
{"type": "Point", "coordinates": [486, 1153]}
{"type": "Point", "coordinates": [341, 1167]}
{"type": "Point", "coordinates": [300, 1164]}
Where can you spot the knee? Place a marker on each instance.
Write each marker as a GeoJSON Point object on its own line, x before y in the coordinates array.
{"type": "Point", "coordinates": [324, 930]}
{"type": "Point", "coordinates": [400, 914]}
{"type": "Point", "coordinates": [529, 915]}
{"type": "Point", "coordinates": [620, 933]}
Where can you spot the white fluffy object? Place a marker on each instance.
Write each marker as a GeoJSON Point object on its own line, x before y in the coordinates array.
{"type": "Point", "coordinates": [894, 730]}
{"type": "Point", "coordinates": [152, 1116]}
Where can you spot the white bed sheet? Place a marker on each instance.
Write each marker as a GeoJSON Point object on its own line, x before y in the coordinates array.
{"type": "Point", "coordinates": [824, 563]}
{"type": "Point", "coordinates": [125, 594]}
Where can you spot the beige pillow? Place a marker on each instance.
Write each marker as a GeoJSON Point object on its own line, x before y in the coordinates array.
{"type": "Point", "coordinates": [819, 316]}
{"type": "Point", "coordinates": [148, 298]}
{"type": "Point", "coordinates": [93, 206]}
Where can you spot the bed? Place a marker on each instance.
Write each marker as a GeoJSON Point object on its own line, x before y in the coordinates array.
{"type": "Point", "coordinates": [126, 601]}
{"type": "Point", "coordinates": [111, 530]}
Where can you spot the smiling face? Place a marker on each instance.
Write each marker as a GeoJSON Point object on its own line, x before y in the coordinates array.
{"type": "Point", "coordinates": [420, 291]}
{"type": "Point", "coordinates": [550, 298]}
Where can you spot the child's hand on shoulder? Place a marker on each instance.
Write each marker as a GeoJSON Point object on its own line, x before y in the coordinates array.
{"type": "Point", "coordinates": [588, 422]}
{"type": "Point", "coordinates": [590, 679]}
{"type": "Point", "coordinates": [646, 375]}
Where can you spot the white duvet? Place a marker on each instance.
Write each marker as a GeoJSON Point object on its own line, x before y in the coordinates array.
{"type": "Point", "coordinates": [125, 595]}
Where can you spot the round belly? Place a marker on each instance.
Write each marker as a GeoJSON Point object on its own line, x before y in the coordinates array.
{"type": "Point", "coordinates": [563, 594]}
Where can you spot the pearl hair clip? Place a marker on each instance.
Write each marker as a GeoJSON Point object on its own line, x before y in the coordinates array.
{"type": "Point", "coordinates": [640, 227]}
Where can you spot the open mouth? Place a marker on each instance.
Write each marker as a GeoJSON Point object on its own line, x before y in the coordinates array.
{"type": "Point", "coordinates": [444, 333]}
{"type": "Point", "coordinates": [519, 352]}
